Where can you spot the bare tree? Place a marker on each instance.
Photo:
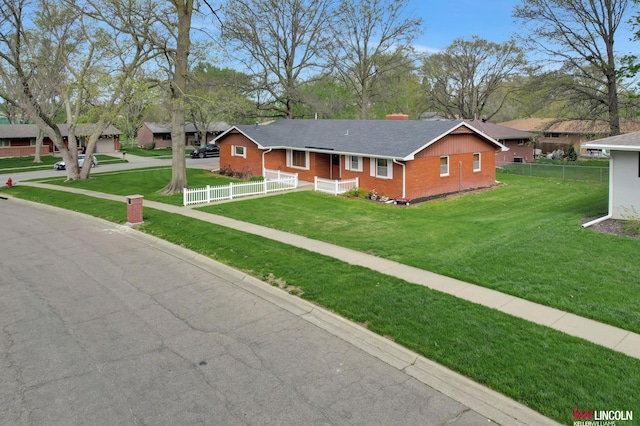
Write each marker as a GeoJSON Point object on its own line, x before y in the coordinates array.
{"type": "Point", "coordinates": [580, 34]}
{"type": "Point", "coordinates": [60, 51]}
{"type": "Point", "coordinates": [462, 80]}
{"type": "Point", "coordinates": [373, 37]}
{"type": "Point", "coordinates": [281, 42]}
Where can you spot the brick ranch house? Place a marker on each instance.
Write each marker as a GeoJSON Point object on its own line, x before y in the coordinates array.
{"type": "Point", "coordinates": [397, 158]}
{"type": "Point", "coordinates": [521, 149]}
{"type": "Point", "coordinates": [160, 133]}
{"type": "Point", "coordinates": [19, 140]}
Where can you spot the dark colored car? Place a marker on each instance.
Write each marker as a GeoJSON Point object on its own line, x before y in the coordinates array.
{"type": "Point", "coordinates": [208, 150]}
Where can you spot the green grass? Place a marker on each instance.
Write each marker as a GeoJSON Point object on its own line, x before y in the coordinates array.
{"type": "Point", "coordinates": [27, 164]}
{"type": "Point", "coordinates": [523, 238]}
{"type": "Point", "coordinates": [549, 371]}
{"type": "Point", "coordinates": [581, 162]}
{"type": "Point", "coordinates": [564, 170]}
{"type": "Point", "coordinates": [145, 182]}
{"type": "Point", "coordinates": [160, 152]}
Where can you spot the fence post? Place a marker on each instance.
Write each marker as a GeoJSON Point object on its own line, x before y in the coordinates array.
{"type": "Point", "coordinates": [231, 190]}
{"type": "Point", "coordinates": [208, 189]}
{"type": "Point", "coordinates": [357, 182]}
{"type": "Point", "coordinates": [315, 183]}
{"type": "Point", "coordinates": [336, 187]}
{"type": "Point", "coordinates": [264, 182]}
{"type": "Point", "coordinates": [184, 196]}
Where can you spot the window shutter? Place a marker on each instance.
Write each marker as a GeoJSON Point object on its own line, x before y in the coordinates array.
{"type": "Point", "coordinates": [347, 162]}
{"type": "Point", "coordinates": [390, 169]}
{"type": "Point", "coordinates": [233, 150]}
{"type": "Point", "coordinates": [372, 164]}
{"type": "Point", "coordinates": [288, 157]}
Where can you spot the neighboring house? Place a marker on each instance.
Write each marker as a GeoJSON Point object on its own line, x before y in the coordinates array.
{"type": "Point", "coordinates": [160, 133]}
{"type": "Point", "coordinates": [521, 149]}
{"type": "Point", "coordinates": [624, 175]}
{"type": "Point", "coordinates": [554, 133]}
{"type": "Point", "coordinates": [397, 158]}
{"type": "Point", "coordinates": [17, 140]}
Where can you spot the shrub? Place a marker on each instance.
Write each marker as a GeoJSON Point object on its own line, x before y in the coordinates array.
{"type": "Point", "coordinates": [572, 155]}
{"type": "Point", "coordinates": [150, 146]}
{"type": "Point", "coordinates": [357, 193]}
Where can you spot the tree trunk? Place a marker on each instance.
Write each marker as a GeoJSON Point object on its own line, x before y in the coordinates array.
{"type": "Point", "coordinates": [39, 139]}
{"type": "Point", "coordinates": [178, 89]}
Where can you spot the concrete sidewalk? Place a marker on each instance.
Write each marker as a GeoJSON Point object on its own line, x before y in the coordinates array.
{"type": "Point", "coordinates": [601, 334]}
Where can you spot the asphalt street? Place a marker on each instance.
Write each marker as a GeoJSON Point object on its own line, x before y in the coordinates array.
{"type": "Point", "coordinates": [103, 325]}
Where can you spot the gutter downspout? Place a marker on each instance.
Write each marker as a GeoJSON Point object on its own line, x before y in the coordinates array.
{"type": "Point", "coordinates": [404, 177]}
{"type": "Point", "coordinates": [610, 214]}
{"type": "Point", "coordinates": [263, 154]}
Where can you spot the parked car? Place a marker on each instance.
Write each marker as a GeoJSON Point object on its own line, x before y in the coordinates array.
{"type": "Point", "coordinates": [208, 150]}
{"type": "Point", "coordinates": [60, 165]}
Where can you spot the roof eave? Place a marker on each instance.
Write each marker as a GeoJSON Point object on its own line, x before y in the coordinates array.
{"type": "Point", "coordinates": [613, 147]}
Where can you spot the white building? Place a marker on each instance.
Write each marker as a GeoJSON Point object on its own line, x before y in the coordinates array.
{"type": "Point", "coordinates": [624, 175]}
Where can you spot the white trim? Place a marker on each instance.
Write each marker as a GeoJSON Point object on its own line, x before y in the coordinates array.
{"type": "Point", "coordinates": [290, 159]}
{"type": "Point", "coordinates": [373, 169]}
{"type": "Point", "coordinates": [448, 165]}
{"type": "Point", "coordinates": [235, 154]}
{"type": "Point", "coordinates": [348, 163]}
{"type": "Point", "coordinates": [612, 147]}
{"type": "Point", "coordinates": [479, 168]}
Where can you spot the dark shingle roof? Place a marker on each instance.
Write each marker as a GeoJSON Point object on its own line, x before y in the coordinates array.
{"type": "Point", "coordinates": [23, 131]}
{"type": "Point", "coordinates": [498, 132]}
{"type": "Point", "coordinates": [379, 138]}
{"type": "Point", "coordinates": [624, 142]}
{"type": "Point", "coordinates": [215, 126]}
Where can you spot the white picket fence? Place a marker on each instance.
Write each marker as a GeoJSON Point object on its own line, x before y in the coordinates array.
{"type": "Point", "coordinates": [274, 180]}
{"type": "Point", "coordinates": [334, 187]}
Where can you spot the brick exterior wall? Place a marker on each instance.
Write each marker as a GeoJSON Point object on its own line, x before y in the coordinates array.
{"type": "Point", "coordinates": [134, 209]}
{"type": "Point", "coordinates": [524, 151]}
{"type": "Point", "coordinates": [145, 136]}
{"type": "Point", "coordinates": [22, 151]}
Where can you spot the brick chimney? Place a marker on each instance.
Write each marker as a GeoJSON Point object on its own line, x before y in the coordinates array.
{"type": "Point", "coordinates": [397, 116]}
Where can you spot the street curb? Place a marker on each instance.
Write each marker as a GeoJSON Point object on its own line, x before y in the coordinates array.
{"type": "Point", "coordinates": [485, 401]}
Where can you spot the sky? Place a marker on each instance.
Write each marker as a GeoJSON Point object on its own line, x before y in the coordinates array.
{"type": "Point", "coordinates": [446, 20]}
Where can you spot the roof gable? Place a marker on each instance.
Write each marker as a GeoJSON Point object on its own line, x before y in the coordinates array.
{"type": "Point", "coordinates": [371, 138]}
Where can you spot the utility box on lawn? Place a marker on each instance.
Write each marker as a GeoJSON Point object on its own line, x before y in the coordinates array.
{"type": "Point", "coordinates": [134, 209]}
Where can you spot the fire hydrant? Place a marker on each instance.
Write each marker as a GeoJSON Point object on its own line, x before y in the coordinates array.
{"type": "Point", "coordinates": [9, 183]}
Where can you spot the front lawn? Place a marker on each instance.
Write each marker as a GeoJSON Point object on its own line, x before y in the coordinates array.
{"type": "Point", "coordinates": [142, 152]}
{"type": "Point", "coordinates": [547, 370]}
{"type": "Point", "coordinates": [26, 163]}
{"type": "Point", "coordinates": [147, 182]}
{"type": "Point", "coordinates": [523, 238]}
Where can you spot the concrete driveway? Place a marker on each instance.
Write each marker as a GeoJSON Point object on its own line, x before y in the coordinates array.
{"type": "Point", "coordinates": [103, 325]}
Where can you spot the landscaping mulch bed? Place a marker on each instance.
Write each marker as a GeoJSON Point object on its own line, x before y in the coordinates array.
{"type": "Point", "coordinates": [614, 227]}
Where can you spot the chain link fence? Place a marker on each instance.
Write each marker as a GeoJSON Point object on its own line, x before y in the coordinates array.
{"type": "Point", "coordinates": [556, 171]}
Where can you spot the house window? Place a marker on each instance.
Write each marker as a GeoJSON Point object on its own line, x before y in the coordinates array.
{"type": "Point", "coordinates": [238, 151]}
{"type": "Point", "coordinates": [298, 159]}
{"type": "Point", "coordinates": [382, 168]}
{"type": "Point", "coordinates": [5, 143]}
{"type": "Point", "coordinates": [354, 163]}
{"type": "Point", "coordinates": [476, 162]}
{"type": "Point", "coordinates": [444, 166]}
